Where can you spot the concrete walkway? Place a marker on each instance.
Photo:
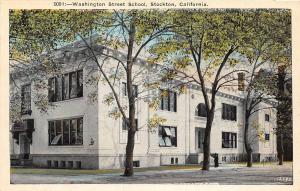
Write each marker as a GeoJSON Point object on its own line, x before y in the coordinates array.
{"type": "Point", "coordinates": [227, 174]}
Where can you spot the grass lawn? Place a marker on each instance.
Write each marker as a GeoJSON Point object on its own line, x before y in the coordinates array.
{"type": "Point", "coordinates": [74, 172]}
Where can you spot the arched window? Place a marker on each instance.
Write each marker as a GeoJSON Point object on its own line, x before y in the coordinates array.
{"type": "Point", "coordinates": [201, 110]}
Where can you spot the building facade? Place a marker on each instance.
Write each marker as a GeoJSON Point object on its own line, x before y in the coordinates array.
{"type": "Point", "coordinates": [77, 133]}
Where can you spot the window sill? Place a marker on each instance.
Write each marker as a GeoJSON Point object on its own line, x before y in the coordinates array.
{"type": "Point", "coordinates": [227, 120]}
{"type": "Point", "coordinates": [27, 112]}
{"type": "Point", "coordinates": [68, 146]}
{"type": "Point", "coordinates": [167, 111]}
{"type": "Point", "coordinates": [200, 118]}
{"type": "Point", "coordinates": [168, 147]}
{"type": "Point", "coordinates": [67, 100]}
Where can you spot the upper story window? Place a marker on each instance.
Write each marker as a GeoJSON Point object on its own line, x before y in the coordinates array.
{"type": "Point", "coordinates": [168, 100]}
{"type": "Point", "coordinates": [267, 117]}
{"type": "Point", "coordinates": [229, 140]}
{"type": "Point", "coordinates": [66, 132]}
{"type": "Point", "coordinates": [201, 110]}
{"type": "Point", "coordinates": [66, 86]}
{"type": "Point", "coordinates": [241, 81]}
{"type": "Point", "coordinates": [267, 136]}
{"type": "Point", "coordinates": [124, 89]}
{"type": "Point", "coordinates": [26, 99]}
{"type": "Point", "coordinates": [125, 126]}
{"type": "Point", "coordinates": [167, 136]}
{"type": "Point", "coordinates": [228, 112]}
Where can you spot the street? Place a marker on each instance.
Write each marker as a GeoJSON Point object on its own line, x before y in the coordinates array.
{"type": "Point", "coordinates": [269, 174]}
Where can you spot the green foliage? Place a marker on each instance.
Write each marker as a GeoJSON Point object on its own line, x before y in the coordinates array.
{"type": "Point", "coordinates": [155, 121]}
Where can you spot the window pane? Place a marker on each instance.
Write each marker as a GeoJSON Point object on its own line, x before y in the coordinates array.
{"type": "Point", "coordinates": [168, 141]}
{"type": "Point", "coordinates": [26, 98]}
{"type": "Point", "coordinates": [173, 136]}
{"type": "Point", "coordinates": [199, 140]}
{"type": "Point", "coordinates": [167, 131]}
{"type": "Point", "coordinates": [73, 85]}
{"type": "Point", "coordinates": [124, 89]}
{"type": "Point", "coordinates": [136, 124]}
{"type": "Point", "coordinates": [51, 131]}
{"type": "Point", "coordinates": [173, 131]}
{"type": "Point", "coordinates": [135, 90]}
{"type": "Point", "coordinates": [223, 111]}
{"type": "Point", "coordinates": [58, 129]}
{"type": "Point", "coordinates": [79, 139]}
{"type": "Point", "coordinates": [175, 102]}
{"type": "Point", "coordinates": [66, 132]}
{"type": "Point", "coordinates": [161, 100]}
{"type": "Point", "coordinates": [161, 141]}
{"type": "Point", "coordinates": [66, 86]}
{"type": "Point", "coordinates": [172, 101]}
{"type": "Point", "coordinates": [56, 140]}
{"type": "Point", "coordinates": [160, 130]}
{"type": "Point", "coordinates": [80, 83]}
{"type": "Point", "coordinates": [124, 124]}
{"type": "Point", "coordinates": [201, 110]}
{"type": "Point", "coordinates": [165, 101]}
{"type": "Point", "coordinates": [51, 90]}
{"type": "Point", "coordinates": [58, 88]}
{"type": "Point", "coordinates": [234, 112]}
{"type": "Point", "coordinates": [73, 129]}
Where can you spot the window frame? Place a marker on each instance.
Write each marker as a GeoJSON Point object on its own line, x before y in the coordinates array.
{"type": "Point", "coordinates": [125, 127]}
{"type": "Point", "coordinates": [229, 112]}
{"type": "Point", "coordinates": [267, 117]}
{"type": "Point", "coordinates": [162, 135]}
{"type": "Point", "coordinates": [165, 101]}
{"type": "Point", "coordinates": [26, 100]}
{"type": "Point", "coordinates": [267, 136]}
{"type": "Point", "coordinates": [61, 142]}
{"type": "Point", "coordinates": [124, 89]}
{"type": "Point", "coordinates": [201, 110]}
{"type": "Point", "coordinates": [229, 140]}
{"type": "Point", "coordinates": [60, 87]}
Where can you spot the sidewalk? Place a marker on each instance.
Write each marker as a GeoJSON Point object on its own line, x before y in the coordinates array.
{"type": "Point", "coordinates": [226, 174]}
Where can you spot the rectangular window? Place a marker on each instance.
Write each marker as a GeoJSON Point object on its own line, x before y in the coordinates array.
{"type": "Point", "coordinates": [26, 99]}
{"type": "Point", "coordinates": [228, 112]}
{"type": "Point", "coordinates": [66, 86]}
{"type": "Point", "coordinates": [267, 117]}
{"type": "Point", "coordinates": [168, 100]}
{"type": "Point", "coordinates": [124, 89]}
{"type": "Point", "coordinates": [66, 132]}
{"type": "Point", "coordinates": [125, 126]}
{"type": "Point", "coordinates": [229, 140]}
{"type": "Point", "coordinates": [267, 136]}
{"type": "Point", "coordinates": [241, 81]}
{"type": "Point", "coordinates": [58, 88]}
{"type": "Point", "coordinates": [201, 110]}
{"type": "Point", "coordinates": [167, 136]}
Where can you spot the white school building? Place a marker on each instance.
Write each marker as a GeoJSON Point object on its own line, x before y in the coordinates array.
{"type": "Point", "coordinates": [80, 134]}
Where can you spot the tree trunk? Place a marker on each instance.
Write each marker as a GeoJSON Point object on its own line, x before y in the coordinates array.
{"type": "Point", "coordinates": [246, 139]}
{"type": "Point", "coordinates": [206, 144]}
{"type": "Point", "coordinates": [129, 153]}
{"type": "Point", "coordinates": [131, 100]}
{"type": "Point", "coordinates": [280, 150]}
{"type": "Point", "coordinates": [249, 158]}
{"type": "Point", "coordinates": [280, 114]}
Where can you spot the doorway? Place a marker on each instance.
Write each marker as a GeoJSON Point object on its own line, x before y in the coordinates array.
{"type": "Point", "coordinates": [24, 146]}
{"type": "Point", "coordinates": [199, 139]}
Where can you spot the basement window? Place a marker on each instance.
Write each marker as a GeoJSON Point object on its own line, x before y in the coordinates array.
{"type": "Point", "coordinates": [136, 163]}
